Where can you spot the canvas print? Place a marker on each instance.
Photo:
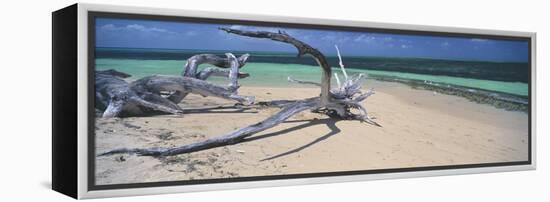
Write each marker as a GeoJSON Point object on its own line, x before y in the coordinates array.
{"type": "Point", "coordinates": [190, 100]}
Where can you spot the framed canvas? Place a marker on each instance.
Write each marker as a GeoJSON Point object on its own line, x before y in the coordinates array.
{"type": "Point", "coordinates": [150, 101]}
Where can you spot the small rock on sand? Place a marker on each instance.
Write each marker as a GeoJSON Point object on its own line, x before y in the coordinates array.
{"type": "Point", "coordinates": [128, 125]}
{"type": "Point", "coordinates": [120, 159]}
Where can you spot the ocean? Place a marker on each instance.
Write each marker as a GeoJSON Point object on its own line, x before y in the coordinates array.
{"type": "Point", "coordinates": [273, 68]}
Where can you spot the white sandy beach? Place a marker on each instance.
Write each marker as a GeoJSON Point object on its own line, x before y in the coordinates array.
{"type": "Point", "coordinates": [420, 128]}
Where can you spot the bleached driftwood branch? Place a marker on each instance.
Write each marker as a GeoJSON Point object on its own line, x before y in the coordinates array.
{"type": "Point", "coordinates": [230, 138]}
{"type": "Point", "coordinates": [303, 49]}
{"type": "Point", "coordinates": [337, 103]}
{"type": "Point", "coordinates": [186, 85]}
{"type": "Point", "coordinates": [214, 71]}
{"type": "Point", "coordinates": [192, 64]}
{"type": "Point", "coordinates": [117, 97]}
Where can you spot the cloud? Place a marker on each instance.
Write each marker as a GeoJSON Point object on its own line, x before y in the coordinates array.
{"type": "Point", "coordinates": [191, 33]}
{"type": "Point", "coordinates": [108, 27]}
{"type": "Point", "coordinates": [364, 38]}
{"type": "Point", "coordinates": [256, 28]}
{"type": "Point", "coordinates": [134, 27]}
{"type": "Point", "coordinates": [328, 38]}
{"type": "Point", "coordinates": [383, 41]}
{"type": "Point", "coordinates": [154, 29]}
{"type": "Point", "coordinates": [235, 27]}
{"type": "Point", "coordinates": [479, 40]}
{"type": "Point", "coordinates": [147, 29]}
{"type": "Point", "coordinates": [343, 39]}
{"type": "Point", "coordinates": [335, 38]}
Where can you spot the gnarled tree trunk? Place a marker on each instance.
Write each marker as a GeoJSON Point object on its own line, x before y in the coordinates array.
{"type": "Point", "coordinates": [116, 97]}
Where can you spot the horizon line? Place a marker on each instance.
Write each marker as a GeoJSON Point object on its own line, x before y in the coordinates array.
{"type": "Point", "coordinates": [335, 55]}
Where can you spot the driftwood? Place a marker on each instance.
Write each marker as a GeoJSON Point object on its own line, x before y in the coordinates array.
{"type": "Point", "coordinates": [116, 97]}
{"type": "Point", "coordinates": [338, 102]}
{"type": "Point", "coordinates": [228, 139]}
{"type": "Point", "coordinates": [303, 49]}
{"type": "Point", "coordinates": [191, 66]}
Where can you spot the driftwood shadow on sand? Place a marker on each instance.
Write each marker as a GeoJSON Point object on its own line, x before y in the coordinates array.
{"type": "Point", "coordinates": [330, 123]}
{"type": "Point", "coordinates": [221, 110]}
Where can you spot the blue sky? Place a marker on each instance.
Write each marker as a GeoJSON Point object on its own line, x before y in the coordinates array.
{"type": "Point", "coordinates": [182, 35]}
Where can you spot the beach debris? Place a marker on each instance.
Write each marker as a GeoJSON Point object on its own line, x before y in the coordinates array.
{"type": "Point", "coordinates": [120, 159]}
{"type": "Point", "coordinates": [117, 98]}
{"type": "Point", "coordinates": [339, 103]}
{"type": "Point", "coordinates": [128, 125]}
{"type": "Point", "coordinates": [240, 151]}
{"type": "Point", "coordinates": [166, 135]}
{"type": "Point", "coordinates": [109, 131]}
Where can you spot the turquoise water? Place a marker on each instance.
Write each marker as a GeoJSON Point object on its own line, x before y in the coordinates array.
{"type": "Point", "coordinates": [516, 88]}
{"type": "Point", "coordinates": [482, 70]}
{"type": "Point", "coordinates": [276, 74]}
{"type": "Point", "coordinates": [141, 68]}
